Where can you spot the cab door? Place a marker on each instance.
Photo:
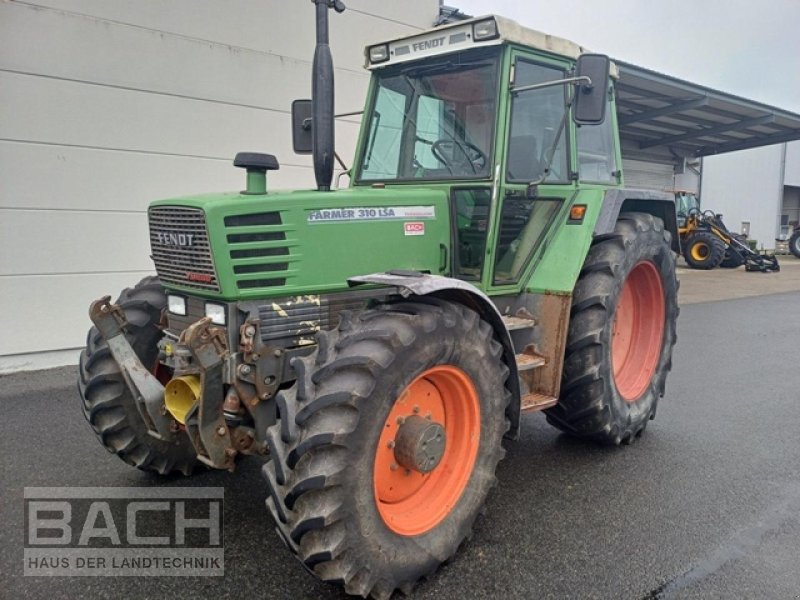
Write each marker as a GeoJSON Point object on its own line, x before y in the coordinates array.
{"type": "Point", "coordinates": [537, 143]}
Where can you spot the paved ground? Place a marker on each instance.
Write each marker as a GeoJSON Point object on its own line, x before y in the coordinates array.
{"type": "Point", "coordinates": [705, 505]}
{"type": "Point", "coordinates": [723, 284]}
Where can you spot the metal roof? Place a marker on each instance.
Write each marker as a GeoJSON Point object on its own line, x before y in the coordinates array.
{"type": "Point", "coordinates": [665, 119]}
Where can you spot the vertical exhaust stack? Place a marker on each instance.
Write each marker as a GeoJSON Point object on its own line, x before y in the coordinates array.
{"type": "Point", "coordinates": [322, 128]}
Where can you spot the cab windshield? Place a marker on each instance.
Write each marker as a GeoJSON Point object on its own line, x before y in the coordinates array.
{"type": "Point", "coordinates": [433, 120]}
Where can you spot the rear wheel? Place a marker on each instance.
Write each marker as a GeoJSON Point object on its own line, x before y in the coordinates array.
{"type": "Point", "coordinates": [107, 402]}
{"type": "Point", "coordinates": [621, 333]}
{"type": "Point", "coordinates": [386, 447]}
{"type": "Point", "coordinates": [794, 243]}
{"type": "Point", "coordinates": [733, 259]}
{"type": "Point", "coordinates": [704, 250]}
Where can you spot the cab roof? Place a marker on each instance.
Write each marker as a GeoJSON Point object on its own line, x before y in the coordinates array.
{"type": "Point", "coordinates": [455, 37]}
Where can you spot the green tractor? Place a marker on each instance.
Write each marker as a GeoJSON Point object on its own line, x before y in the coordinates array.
{"type": "Point", "coordinates": [377, 344]}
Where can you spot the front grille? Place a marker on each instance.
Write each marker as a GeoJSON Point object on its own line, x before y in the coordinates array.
{"type": "Point", "coordinates": [181, 250]}
{"type": "Point", "coordinates": [259, 249]}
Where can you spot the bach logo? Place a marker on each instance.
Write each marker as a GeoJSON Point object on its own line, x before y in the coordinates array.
{"type": "Point", "coordinates": [123, 531]}
{"type": "Point", "coordinates": [414, 228]}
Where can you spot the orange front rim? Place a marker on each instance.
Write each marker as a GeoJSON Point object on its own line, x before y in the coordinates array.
{"type": "Point", "coordinates": [412, 502]}
{"type": "Point", "coordinates": [638, 331]}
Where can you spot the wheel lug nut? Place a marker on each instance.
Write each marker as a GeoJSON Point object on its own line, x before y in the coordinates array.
{"type": "Point", "coordinates": [401, 420]}
{"type": "Point", "coordinates": [393, 467]}
{"type": "Point", "coordinates": [390, 445]}
{"type": "Point", "coordinates": [416, 409]}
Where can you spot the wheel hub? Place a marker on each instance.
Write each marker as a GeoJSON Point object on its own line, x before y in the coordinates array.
{"type": "Point", "coordinates": [419, 444]}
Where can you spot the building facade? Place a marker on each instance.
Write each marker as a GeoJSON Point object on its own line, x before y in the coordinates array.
{"type": "Point", "coordinates": [109, 105]}
{"type": "Point", "coordinates": [757, 191]}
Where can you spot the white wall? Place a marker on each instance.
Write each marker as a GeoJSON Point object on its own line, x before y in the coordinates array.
{"type": "Point", "coordinates": [107, 105]}
{"type": "Point", "coordinates": [746, 186]}
{"type": "Point", "coordinates": [792, 174]}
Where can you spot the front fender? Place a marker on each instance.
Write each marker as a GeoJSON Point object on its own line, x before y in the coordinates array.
{"type": "Point", "coordinates": [412, 283]}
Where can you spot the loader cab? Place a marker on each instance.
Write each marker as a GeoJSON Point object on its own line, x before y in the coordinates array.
{"type": "Point", "coordinates": [686, 204]}
{"type": "Point", "coordinates": [502, 128]}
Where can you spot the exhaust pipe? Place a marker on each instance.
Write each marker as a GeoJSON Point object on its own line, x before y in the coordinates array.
{"type": "Point", "coordinates": [322, 130]}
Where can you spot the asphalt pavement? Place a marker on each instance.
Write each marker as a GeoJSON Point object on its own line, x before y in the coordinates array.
{"type": "Point", "coordinates": [705, 505]}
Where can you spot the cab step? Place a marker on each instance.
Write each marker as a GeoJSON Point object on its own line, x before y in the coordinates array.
{"type": "Point", "coordinates": [515, 323]}
{"type": "Point", "coordinates": [533, 402]}
{"type": "Point", "coordinates": [526, 362]}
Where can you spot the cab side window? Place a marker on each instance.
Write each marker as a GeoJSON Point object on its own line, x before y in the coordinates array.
{"type": "Point", "coordinates": [537, 119]}
{"type": "Point", "coordinates": [596, 156]}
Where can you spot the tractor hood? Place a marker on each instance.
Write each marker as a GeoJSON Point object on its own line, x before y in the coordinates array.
{"type": "Point", "coordinates": [239, 246]}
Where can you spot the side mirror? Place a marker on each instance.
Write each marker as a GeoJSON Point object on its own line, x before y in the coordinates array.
{"type": "Point", "coordinates": [589, 107]}
{"type": "Point", "coordinates": [301, 126]}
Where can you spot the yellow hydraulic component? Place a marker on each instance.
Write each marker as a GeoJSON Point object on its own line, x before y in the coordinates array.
{"type": "Point", "coordinates": [180, 396]}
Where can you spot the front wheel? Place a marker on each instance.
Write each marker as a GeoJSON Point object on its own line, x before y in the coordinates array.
{"type": "Point", "coordinates": [386, 446]}
{"type": "Point", "coordinates": [794, 243]}
{"type": "Point", "coordinates": [704, 250]}
{"type": "Point", "coordinates": [621, 333]}
{"type": "Point", "coordinates": [107, 402]}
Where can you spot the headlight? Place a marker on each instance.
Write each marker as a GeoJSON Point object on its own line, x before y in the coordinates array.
{"type": "Point", "coordinates": [176, 305]}
{"type": "Point", "coordinates": [379, 54]}
{"type": "Point", "coordinates": [484, 30]}
{"type": "Point", "coordinates": [216, 312]}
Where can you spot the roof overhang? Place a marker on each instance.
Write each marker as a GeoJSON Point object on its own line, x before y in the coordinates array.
{"type": "Point", "coordinates": [665, 119]}
{"type": "Point", "coordinates": [661, 118]}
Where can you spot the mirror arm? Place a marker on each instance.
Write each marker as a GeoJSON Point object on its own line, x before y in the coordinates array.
{"type": "Point", "coordinates": [538, 86]}
{"type": "Point", "coordinates": [307, 121]}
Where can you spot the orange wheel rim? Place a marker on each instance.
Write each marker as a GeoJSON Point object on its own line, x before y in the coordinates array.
{"type": "Point", "coordinates": [411, 502]}
{"type": "Point", "coordinates": [638, 331]}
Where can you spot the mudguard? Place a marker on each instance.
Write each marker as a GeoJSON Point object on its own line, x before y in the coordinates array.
{"type": "Point", "coordinates": [658, 204]}
{"type": "Point", "coordinates": [414, 283]}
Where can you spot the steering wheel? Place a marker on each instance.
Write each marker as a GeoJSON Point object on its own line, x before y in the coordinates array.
{"type": "Point", "coordinates": [474, 156]}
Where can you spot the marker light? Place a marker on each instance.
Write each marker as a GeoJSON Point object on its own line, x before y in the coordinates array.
{"type": "Point", "coordinates": [379, 54]}
{"type": "Point", "coordinates": [484, 30]}
{"type": "Point", "coordinates": [216, 312]}
{"type": "Point", "coordinates": [577, 212]}
{"type": "Point", "coordinates": [176, 305]}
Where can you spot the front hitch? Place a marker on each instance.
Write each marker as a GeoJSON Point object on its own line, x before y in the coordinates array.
{"type": "Point", "coordinates": [205, 421]}
{"type": "Point", "coordinates": [146, 389]}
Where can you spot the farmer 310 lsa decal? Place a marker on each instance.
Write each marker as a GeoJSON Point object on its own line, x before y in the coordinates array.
{"type": "Point", "coordinates": [376, 344]}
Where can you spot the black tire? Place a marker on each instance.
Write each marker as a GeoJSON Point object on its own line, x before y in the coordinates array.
{"type": "Point", "coordinates": [704, 250]}
{"type": "Point", "coordinates": [794, 243]}
{"type": "Point", "coordinates": [733, 259]}
{"type": "Point", "coordinates": [109, 406]}
{"type": "Point", "coordinates": [320, 475]}
{"type": "Point", "coordinates": [590, 405]}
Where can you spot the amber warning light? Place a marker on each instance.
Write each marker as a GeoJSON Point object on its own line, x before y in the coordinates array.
{"type": "Point", "coordinates": [576, 213]}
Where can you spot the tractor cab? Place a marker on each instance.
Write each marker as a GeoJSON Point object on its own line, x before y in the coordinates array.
{"type": "Point", "coordinates": [507, 123]}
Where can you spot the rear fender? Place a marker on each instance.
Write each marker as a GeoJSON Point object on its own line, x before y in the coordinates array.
{"type": "Point", "coordinates": [658, 204]}
{"type": "Point", "coordinates": [454, 290]}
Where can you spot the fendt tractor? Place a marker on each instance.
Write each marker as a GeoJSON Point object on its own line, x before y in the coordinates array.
{"type": "Point", "coordinates": [376, 344]}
